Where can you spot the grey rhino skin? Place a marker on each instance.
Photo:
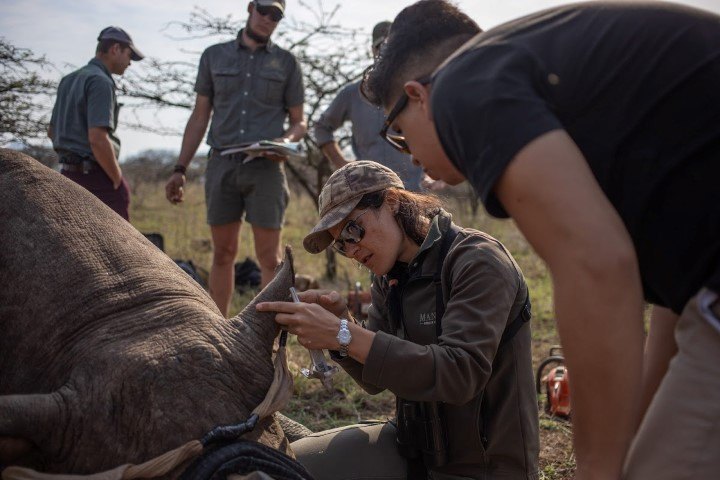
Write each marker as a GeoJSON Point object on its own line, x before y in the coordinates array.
{"type": "Point", "coordinates": [109, 353]}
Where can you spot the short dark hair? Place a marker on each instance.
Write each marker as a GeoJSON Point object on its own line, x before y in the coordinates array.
{"type": "Point", "coordinates": [422, 36]}
{"type": "Point", "coordinates": [413, 208]}
{"type": "Point", "coordinates": [105, 45]}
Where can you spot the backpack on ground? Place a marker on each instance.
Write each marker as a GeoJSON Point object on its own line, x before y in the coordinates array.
{"type": "Point", "coordinates": [247, 275]}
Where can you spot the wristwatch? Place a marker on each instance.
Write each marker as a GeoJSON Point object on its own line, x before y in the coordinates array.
{"type": "Point", "coordinates": [344, 337]}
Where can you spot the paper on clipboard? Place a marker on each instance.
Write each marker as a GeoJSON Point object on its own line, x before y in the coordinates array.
{"type": "Point", "coordinates": [259, 148]}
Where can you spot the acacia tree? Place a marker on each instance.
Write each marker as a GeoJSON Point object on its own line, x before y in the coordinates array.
{"type": "Point", "coordinates": [23, 94]}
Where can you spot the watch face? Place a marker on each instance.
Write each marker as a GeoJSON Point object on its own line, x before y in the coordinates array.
{"type": "Point", "coordinates": [344, 337]}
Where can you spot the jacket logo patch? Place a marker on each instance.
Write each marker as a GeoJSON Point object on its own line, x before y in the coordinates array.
{"type": "Point", "coordinates": [427, 318]}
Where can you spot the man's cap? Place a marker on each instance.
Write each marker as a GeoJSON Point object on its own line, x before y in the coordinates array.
{"type": "Point", "coordinates": [280, 4]}
{"type": "Point", "coordinates": [380, 32]}
{"type": "Point", "coordinates": [117, 33]}
{"type": "Point", "coordinates": [341, 194]}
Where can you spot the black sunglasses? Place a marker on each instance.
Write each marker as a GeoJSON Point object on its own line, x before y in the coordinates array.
{"type": "Point", "coordinates": [352, 233]}
{"type": "Point", "coordinates": [395, 139]}
{"type": "Point", "coordinates": [275, 14]}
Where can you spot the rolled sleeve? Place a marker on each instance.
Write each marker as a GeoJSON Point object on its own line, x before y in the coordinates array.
{"type": "Point", "coordinates": [332, 118]}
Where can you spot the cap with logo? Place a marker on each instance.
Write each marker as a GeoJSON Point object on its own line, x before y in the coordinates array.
{"type": "Point", "coordinates": [280, 4]}
{"type": "Point", "coordinates": [380, 33]}
{"type": "Point", "coordinates": [117, 33]}
{"type": "Point", "coordinates": [341, 194]}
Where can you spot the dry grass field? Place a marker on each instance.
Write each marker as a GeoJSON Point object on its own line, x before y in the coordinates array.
{"type": "Point", "coordinates": [187, 236]}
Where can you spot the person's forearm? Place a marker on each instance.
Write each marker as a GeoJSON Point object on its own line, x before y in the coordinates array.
{"type": "Point", "coordinates": [105, 156]}
{"type": "Point", "coordinates": [660, 347]}
{"type": "Point", "coordinates": [296, 131]}
{"type": "Point", "coordinates": [332, 152]}
{"type": "Point", "coordinates": [194, 133]}
{"type": "Point", "coordinates": [362, 339]}
{"type": "Point", "coordinates": [599, 312]}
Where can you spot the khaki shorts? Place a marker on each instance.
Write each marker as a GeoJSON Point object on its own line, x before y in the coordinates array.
{"type": "Point", "coordinates": [256, 190]}
{"type": "Point", "coordinates": [679, 437]}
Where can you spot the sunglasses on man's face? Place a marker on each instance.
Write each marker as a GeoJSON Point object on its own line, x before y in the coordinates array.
{"type": "Point", "coordinates": [275, 14]}
{"type": "Point", "coordinates": [396, 139]}
{"type": "Point", "coordinates": [351, 233]}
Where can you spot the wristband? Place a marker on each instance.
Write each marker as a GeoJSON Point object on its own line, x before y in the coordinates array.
{"type": "Point", "coordinates": [179, 169]}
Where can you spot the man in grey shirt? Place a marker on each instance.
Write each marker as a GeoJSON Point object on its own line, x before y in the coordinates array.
{"type": "Point", "coordinates": [367, 120]}
{"type": "Point", "coordinates": [249, 86]}
{"type": "Point", "coordinates": [84, 120]}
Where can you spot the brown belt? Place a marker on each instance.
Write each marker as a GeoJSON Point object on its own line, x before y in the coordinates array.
{"type": "Point", "coordinates": [237, 156]}
{"type": "Point", "coordinates": [78, 167]}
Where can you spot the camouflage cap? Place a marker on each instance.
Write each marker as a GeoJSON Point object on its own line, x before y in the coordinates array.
{"type": "Point", "coordinates": [341, 194]}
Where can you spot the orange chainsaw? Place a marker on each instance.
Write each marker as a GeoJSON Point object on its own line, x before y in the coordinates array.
{"type": "Point", "coordinates": [555, 382]}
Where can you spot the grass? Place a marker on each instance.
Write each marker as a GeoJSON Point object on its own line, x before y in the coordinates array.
{"type": "Point", "coordinates": [187, 236]}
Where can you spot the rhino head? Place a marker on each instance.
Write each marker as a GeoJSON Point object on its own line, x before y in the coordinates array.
{"type": "Point", "coordinates": [109, 353]}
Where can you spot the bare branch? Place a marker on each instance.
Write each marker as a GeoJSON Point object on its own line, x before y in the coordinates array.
{"type": "Point", "coordinates": [22, 94]}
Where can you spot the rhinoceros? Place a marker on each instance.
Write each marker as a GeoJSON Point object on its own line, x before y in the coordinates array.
{"type": "Point", "coordinates": [109, 353]}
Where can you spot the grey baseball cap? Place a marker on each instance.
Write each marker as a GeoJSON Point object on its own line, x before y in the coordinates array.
{"type": "Point", "coordinates": [380, 32]}
{"type": "Point", "coordinates": [341, 194]}
{"type": "Point", "coordinates": [272, 3]}
{"type": "Point", "coordinates": [117, 33]}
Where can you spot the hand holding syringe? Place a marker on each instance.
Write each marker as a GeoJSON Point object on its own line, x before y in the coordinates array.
{"type": "Point", "coordinates": [319, 368]}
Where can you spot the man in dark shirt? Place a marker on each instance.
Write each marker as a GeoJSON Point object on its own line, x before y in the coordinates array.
{"type": "Point", "coordinates": [84, 120]}
{"type": "Point", "coordinates": [596, 126]}
{"type": "Point", "coordinates": [249, 86]}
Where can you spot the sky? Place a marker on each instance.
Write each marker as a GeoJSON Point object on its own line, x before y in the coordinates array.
{"type": "Point", "coordinates": [65, 31]}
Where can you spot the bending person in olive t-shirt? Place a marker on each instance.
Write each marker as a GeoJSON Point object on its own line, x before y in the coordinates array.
{"type": "Point", "coordinates": [596, 126]}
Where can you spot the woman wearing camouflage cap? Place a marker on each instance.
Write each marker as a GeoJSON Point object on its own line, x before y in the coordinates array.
{"type": "Point", "coordinates": [446, 334]}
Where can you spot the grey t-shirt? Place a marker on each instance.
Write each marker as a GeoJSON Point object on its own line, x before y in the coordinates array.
{"type": "Point", "coordinates": [85, 99]}
{"type": "Point", "coordinates": [250, 91]}
{"type": "Point", "coordinates": [367, 120]}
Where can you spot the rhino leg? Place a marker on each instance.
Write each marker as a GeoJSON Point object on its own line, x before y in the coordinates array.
{"type": "Point", "coordinates": [26, 420]}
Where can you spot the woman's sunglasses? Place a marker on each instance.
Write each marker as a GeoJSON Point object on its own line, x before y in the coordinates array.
{"type": "Point", "coordinates": [352, 233]}
{"type": "Point", "coordinates": [275, 14]}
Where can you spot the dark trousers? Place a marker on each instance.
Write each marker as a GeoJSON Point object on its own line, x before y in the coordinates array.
{"type": "Point", "coordinates": [100, 185]}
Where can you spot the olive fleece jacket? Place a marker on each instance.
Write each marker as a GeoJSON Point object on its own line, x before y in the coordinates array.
{"type": "Point", "coordinates": [488, 393]}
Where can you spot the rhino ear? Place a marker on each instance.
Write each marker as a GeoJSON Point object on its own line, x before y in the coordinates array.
{"type": "Point", "coordinates": [263, 323]}
{"type": "Point", "coordinates": [278, 288]}
{"type": "Point", "coordinates": [27, 419]}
